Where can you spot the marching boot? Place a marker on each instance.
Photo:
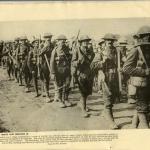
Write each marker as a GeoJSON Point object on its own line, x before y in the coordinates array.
{"type": "Point", "coordinates": [143, 121]}
{"type": "Point", "coordinates": [83, 107]}
{"type": "Point", "coordinates": [67, 102]}
{"type": "Point", "coordinates": [135, 121]}
{"type": "Point", "coordinates": [26, 89]}
{"type": "Point", "coordinates": [109, 118]}
{"type": "Point", "coordinates": [131, 100]}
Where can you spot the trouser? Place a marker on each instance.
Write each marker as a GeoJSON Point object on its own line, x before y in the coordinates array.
{"type": "Point", "coordinates": [34, 73]}
{"type": "Point", "coordinates": [63, 83]}
{"type": "Point", "coordinates": [16, 72]}
{"type": "Point", "coordinates": [56, 96]}
{"type": "Point", "coordinates": [143, 95]}
{"type": "Point", "coordinates": [111, 82]}
{"type": "Point", "coordinates": [10, 69]}
{"type": "Point", "coordinates": [45, 78]}
{"type": "Point", "coordinates": [131, 90]}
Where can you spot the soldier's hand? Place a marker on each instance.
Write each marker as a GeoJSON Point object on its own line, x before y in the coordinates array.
{"type": "Point", "coordinates": [119, 70]}
{"type": "Point", "coordinates": [52, 76]}
{"type": "Point", "coordinates": [147, 71]}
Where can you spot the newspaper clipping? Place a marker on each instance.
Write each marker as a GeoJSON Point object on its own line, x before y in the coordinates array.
{"type": "Point", "coordinates": [74, 75]}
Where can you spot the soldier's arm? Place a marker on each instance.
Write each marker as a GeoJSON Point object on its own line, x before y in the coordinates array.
{"type": "Point", "coordinates": [75, 58]}
{"type": "Point", "coordinates": [52, 61]}
{"type": "Point", "coordinates": [130, 66]}
{"type": "Point", "coordinates": [43, 51]}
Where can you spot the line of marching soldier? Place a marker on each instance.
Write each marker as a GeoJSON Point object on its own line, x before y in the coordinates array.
{"type": "Point", "coordinates": [113, 65]}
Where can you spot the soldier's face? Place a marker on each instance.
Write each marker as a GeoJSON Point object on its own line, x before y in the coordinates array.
{"type": "Point", "coordinates": [48, 40]}
{"type": "Point", "coordinates": [109, 42]}
{"type": "Point", "coordinates": [23, 41]}
{"type": "Point", "coordinates": [85, 43]}
{"type": "Point", "coordinates": [36, 44]}
{"type": "Point", "coordinates": [61, 42]}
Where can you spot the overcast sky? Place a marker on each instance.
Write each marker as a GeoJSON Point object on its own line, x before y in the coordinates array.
{"type": "Point", "coordinates": [95, 28]}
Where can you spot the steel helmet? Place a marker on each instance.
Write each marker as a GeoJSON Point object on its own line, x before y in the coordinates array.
{"type": "Point", "coordinates": [101, 41]}
{"type": "Point", "coordinates": [84, 38]}
{"type": "Point", "coordinates": [23, 38]}
{"type": "Point", "coordinates": [142, 31]}
{"type": "Point", "coordinates": [47, 35]}
{"type": "Point", "coordinates": [122, 40]}
{"type": "Point", "coordinates": [61, 37]}
{"type": "Point", "coordinates": [109, 36]}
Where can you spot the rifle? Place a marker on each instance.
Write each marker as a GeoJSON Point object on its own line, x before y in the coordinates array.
{"type": "Point", "coordinates": [38, 58]}
{"type": "Point", "coordinates": [104, 85]}
{"type": "Point", "coordinates": [119, 73]}
{"type": "Point", "coordinates": [73, 80]}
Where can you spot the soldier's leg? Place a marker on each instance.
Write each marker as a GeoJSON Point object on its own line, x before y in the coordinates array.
{"type": "Point", "coordinates": [20, 76]}
{"type": "Point", "coordinates": [16, 73]}
{"type": "Point", "coordinates": [66, 90]}
{"type": "Point", "coordinates": [12, 70]}
{"type": "Point", "coordinates": [59, 81]}
{"type": "Point", "coordinates": [9, 70]}
{"type": "Point", "coordinates": [108, 113]}
{"type": "Point", "coordinates": [135, 120]}
{"type": "Point", "coordinates": [46, 86]}
{"type": "Point", "coordinates": [83, 91]}
{"type": "Point", "coordinates": [42, 81]}
{"type": "Point", "coordinates": [142, 106]}
{"type": "Point", "coordinates": [27, 77]}
{"type": "Point", "coordinates": [56, 98]}
{"type": "Point", "coordinates": [35, 80]}
{"type": "Point", "coordinates": [131, 94]}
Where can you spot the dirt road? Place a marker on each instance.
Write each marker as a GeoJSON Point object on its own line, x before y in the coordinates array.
{"type": "Point", "coordinates": [20, 111]}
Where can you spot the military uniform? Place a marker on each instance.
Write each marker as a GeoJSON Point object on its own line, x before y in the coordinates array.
{"type": "Point", "coordinates": [98, 73]}
{"type": "Point", "coordinates": [108, 65]}
{"type": "Point", "coordinates": [60, 67]}
{"type": "Point", "coordinates": [7, 54]}
{"type": "Point", "coordinates": [137, 65]}
{"type": "Point", "coordinates": [15, 56]}
{"type": "Point", "coordinates": [23, 53]}
{"type": "Point", "coordinates": [45, 56]}
{"type": "Point", "coordinates": [33, 61]}
{"type": "Point", "coordinates": [81, 61]}
{"type": "Point", "coordinates": [1, 51]}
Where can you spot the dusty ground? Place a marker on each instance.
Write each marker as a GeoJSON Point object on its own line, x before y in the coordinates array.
{"type": "Point", "coordinates": [20, 111]}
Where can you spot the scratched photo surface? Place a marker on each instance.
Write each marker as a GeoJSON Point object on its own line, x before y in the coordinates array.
{"type": "Point", "coordinates": [60, 75]}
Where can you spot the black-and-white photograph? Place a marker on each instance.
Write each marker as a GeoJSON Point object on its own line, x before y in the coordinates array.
{"type": "Point", "coordinates": [74, 74]}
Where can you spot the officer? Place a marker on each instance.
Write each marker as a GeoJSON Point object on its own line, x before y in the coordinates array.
{"type": "Point", "coordinates": [45, 56]}
{"type": "Point", "coordinates": [33, 63]}
{"type": "Point", "coordinates": [23, 53]}
{"type": "Point", "coordinates": [137, 66]}
{"type": "Point", "coordinates": [61, 69]}
{"type": "Point", "coordinates": [81, 61]}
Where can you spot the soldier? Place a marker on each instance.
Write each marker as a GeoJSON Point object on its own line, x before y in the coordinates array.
{"type": "Point", "coordinates": [45, 56]}
{"type": "Point", "coordinates": [122, 47]}
{"type": "Point", "coordinates": [81, 61]}
{"type": "Point", "coordinates": [15, 55]}
{"type": "Point", "coordinates": [33, 63]}
{"type": "Point", "coordinates": [61, 69]}
{"type": "Point", "coordinates": [137, 66]}
{"type": "Point", "coordinates": [8, 52]}
{"type": "Point", "coordinates": [1, 51]}
{"type": "Point", "coordinates": [108, 65]}
{"type": "Point", "coordinates": [23, 53]}
{"type": "Point", "coordinates": [97, 58]}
